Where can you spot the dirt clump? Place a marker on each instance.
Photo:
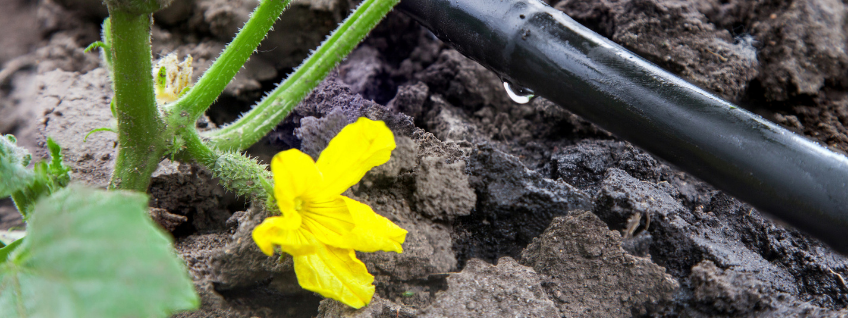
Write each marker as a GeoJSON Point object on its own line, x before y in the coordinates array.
{"type": "Point", "coordinates": [190, 191]}
{"type": "Point", "coordinates": [827, 121]}
{"type": "Point", "coordinates": [442, 190]}
{"type": "Point", "coordinates": [507, 289]}
{"type": "Point", "coordinates": [718, 292]}
{"type": "Point", "coordinates": [588, 274]}
{"type": "Point", "coordinates": [240, 263]}
{"type": "Point", "coordinates": [727, 293]}
{"type": "Point", "coordinates": [514, 205]}
{"type": "Point", "coordinates": [801, 44]}
{"type": "Point", "coordinates": [584, 164]}
{"type": "Point", "coordinates": [729, 234]}
{"type": "Point", "coordinates": [379, 308]}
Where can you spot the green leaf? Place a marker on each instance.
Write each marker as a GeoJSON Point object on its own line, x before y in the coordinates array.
{"type": "Point", "coordinates": [93, 253]}
{"type": "Point", "coordinates": [24, 185]}
{"type": "Point", "coordinates": [84, 139]}
{"type": "Point", "coordinates": [96, 45]}
{"type": "Point", "coordinates": [13, 170]}
{"type": "Point", "coordinates": [57, 171]}
{"type": "Point", "coordinates": [6, 250]}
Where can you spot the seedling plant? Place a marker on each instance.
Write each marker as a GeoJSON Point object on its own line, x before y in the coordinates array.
{"type": "Point", "coordinates": [96, 253]}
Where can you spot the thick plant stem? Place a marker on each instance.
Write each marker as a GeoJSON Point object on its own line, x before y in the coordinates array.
{"type": "Point", "coordinates": [275, 106]}
{"type": "Point", "coordinates": [216, 78]}
{"type": "Point", "coordinates": [140, 129]}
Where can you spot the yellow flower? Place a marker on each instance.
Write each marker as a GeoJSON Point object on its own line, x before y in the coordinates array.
{"type": "Point", "coordinates": [319, 227]}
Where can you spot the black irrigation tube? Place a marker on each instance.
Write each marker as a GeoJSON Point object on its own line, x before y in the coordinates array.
{"type": "Point", "coordinates": [528, 42]}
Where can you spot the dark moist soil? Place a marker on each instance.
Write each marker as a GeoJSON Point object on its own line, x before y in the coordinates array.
{"type": "Point", "coordinates": [512, 210]}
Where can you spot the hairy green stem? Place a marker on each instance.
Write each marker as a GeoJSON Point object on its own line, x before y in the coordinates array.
{"type": "Point", "coordinates": [216, 78]}
{"type": "Point", "coordinates": [236, 172]}
{"type": "Point", "coordinates": [136, 6]}
{"type": "Point", "coordinates": [195, 149]}
{"type": "Point", "coordinates": [140, 129]}
{"type": "Point", "coordinates": [275, 106]}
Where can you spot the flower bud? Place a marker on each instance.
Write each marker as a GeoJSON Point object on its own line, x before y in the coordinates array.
{"type": "Point", "coordinates": [171, 78]}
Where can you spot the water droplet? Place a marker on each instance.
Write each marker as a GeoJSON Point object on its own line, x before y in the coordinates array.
{"type": "Point", "coordinates": [518, 94]}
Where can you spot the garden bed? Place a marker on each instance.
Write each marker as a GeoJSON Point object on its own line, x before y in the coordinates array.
{"type": "Point", "coordinates": [512, 209]}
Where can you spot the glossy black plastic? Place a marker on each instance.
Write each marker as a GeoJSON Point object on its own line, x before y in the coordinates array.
{"type": "Point", "coordinates": [536, 46]}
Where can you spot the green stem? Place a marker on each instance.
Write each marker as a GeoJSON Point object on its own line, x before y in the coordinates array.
{"type": "Point", "coordinates": [140, 129]}
{"type": "Point", "coordinates": [195, 149]}
{"type": "Point", "coordinates": [215, 79]}
{"type": "Point", "coordinates": [275, 106]}
{"type": "Point", "coordinates": [238, 173]}
{"type": "Point", "coordinates": [136, 6]}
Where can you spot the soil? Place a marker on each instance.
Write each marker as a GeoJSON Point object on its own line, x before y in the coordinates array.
{"type": "Point", "coordinates": [512, 210]}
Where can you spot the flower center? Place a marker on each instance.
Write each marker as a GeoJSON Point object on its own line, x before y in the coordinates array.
{"type": "Point", "coordinates": [298, 204]}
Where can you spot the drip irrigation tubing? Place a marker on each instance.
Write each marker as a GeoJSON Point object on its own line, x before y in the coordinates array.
{"type": "Point", "coordinates": [530, 44]}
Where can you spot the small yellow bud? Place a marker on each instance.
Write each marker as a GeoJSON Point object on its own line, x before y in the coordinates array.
{"type": "Point", "coordinates": [171, 78]}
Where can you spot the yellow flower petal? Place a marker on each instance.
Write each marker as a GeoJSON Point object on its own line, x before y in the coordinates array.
{"type": "Point", "coordinates": [355, 150]}
{"type": "Point", "coordinates": [262, 236]}
{"type": "Point", "coordinates": [277, 231]}
{"type": "Point", "coordinates": [373, 232]}
{"type": "Point", "coordinates": [335, 273]}
{"type": "Point", "coordinates": [329, 220]}
{"type": "Point", "coordinates": [297, 242]}
{"type": "Point", "coordinates": [295, 178]}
